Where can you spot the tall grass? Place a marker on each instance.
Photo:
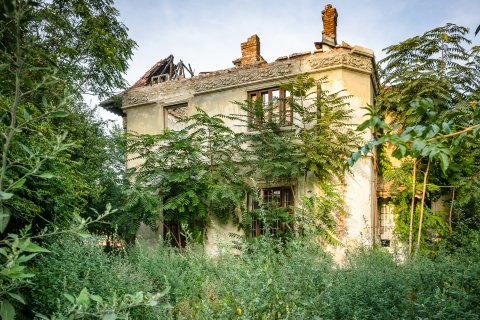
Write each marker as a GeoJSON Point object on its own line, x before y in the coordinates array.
{"type": "Point", "coordinates": [270, 280]}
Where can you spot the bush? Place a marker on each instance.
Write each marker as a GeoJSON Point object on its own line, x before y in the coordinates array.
{"type": "Point", "coordinates": [74, 264]}
{"type": "Point", "coordinates": [268, 280]}
{"type": "Point", "coordinates": [375, 286]}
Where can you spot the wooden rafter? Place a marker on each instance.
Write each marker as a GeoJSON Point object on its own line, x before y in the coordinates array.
{"type": "Point", "coordinates": [165, 70]}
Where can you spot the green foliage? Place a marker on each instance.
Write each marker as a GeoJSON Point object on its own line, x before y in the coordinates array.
{"type": "Point", "coordinates": [205, 170]}
{"type": "Point", "coordinates": [53, 146]}
{"type": "Point", "coordinates": [45, 131]}
{"type": "Point", "coordinates": [429, 94]}
{"type": "Point", "coordinates": [320, 215]}
{"type": "Point", "coordinates": [75, 264]}
{"type": "Point", "coordinates": [190, 176]}
{"type": "Point", "coordinates": [87, 305]}
{"type": "Point", "coordinates": [15, 252]}
{"type": "Point", "coordinates": [318, 140]}
{"type": "Point", "coordinates": [437, 65]}
{"type": "Point", "coordinates": [108, 182]}
{"type": "Point", "coordinates": [315, 144]}
{"type": "Point", "coordinates": [425, 139]}
{"type": "Point", "coordinates": [379, 287]}
{"type": "Point", "coordinates": [87, 31]}
{"type": "Point", "coordinates": [269, 279]}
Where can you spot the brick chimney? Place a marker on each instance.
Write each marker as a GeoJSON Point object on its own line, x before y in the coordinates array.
{"type": "Point", "coordinates": [329, 18]}
{"type": "Point", "coordinates": [250, 52]}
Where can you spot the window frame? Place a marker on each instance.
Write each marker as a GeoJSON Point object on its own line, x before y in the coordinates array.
{"type": "Point", "coordinates": [285, 111]}
{"type": "Point", "coordinates": [386, 222]}
{"type": "Point", "coordinates": [170, 110]}
{"type": "Point", "coordinates": [286, 200]}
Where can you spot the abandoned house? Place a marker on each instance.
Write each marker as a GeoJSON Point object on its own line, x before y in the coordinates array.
{"type": "Point", "coordinates": [170, 91]}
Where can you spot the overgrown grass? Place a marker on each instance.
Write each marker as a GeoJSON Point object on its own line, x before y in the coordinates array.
{"type": "Point", "coordinates": [269, 280]}
{"type": "Point", "coordinates": [74, 264]}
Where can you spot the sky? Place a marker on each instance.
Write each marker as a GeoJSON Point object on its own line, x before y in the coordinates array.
{"type": "Point", "coordinates": [207, 33]}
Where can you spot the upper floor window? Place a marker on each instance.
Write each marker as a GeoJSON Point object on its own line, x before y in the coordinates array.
{"type": "Point", "coordinates": [172, 116]}
{"type": "Point", "coordinates": [270, 105]}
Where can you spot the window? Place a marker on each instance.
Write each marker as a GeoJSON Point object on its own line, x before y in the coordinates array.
{"type": "Point", "coordinates": [278, 203]}
{"type": "Point", "coordinates": [272, 106]}
{"type": "Point", "coordinates": [387, 222]}
{"type": "Point", "coordinates": [172, 115]}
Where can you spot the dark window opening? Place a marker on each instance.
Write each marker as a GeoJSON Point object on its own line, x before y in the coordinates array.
{"type": "Point", "coordinates": [172, 234]}
{"type": "Point", "coordinates": [385, 243]}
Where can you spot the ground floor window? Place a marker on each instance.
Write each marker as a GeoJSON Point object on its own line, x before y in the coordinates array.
{"type": "Point", "coordinates": [272, 211]}
{"type": "Point", "coordinates": [387, 222]}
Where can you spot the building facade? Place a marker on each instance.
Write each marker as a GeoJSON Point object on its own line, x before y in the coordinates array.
{"type": "Point", "coordinates": [168, 92]}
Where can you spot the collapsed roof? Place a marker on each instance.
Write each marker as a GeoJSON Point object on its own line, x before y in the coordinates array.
{"type": "Point", "coordinates": [163, 70]}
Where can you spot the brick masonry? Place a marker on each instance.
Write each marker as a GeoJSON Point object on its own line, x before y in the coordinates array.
{"type": "Point", "coordinates": [251, 50]}
{"type": "Point", "coordinates": [329, 17]}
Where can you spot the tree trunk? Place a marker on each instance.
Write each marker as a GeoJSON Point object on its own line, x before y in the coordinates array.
{"type": "Point", "coordinates": [305, 183]}
{"type": "Point", "coordinates": [412, 207]}
{"type": "Point", "coordinates": [451, 210]}
{"type": "Point", "coordinates": [375, 197]}
{"type": "Point", "coordinates": [422, 208]}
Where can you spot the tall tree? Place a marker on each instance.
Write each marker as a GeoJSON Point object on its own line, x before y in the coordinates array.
{"type": "Point", "coordinates": [54, 51]}
{"type": "Point", "coordinates": [429, 95]}
{"type": "Point", "coordinates": [191, 176]}
{"type": "Point", "coordinates": [48, 139]}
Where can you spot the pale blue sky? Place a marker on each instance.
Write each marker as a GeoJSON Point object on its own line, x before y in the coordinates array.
{"type": "Point", "coordinates": [207, 34]}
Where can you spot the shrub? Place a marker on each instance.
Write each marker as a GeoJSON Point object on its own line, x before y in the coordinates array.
{"type": "Point", "coordinates": [74, 264]}
{"type": "Point", "coordinates": [268, 279]}
{"type": "Point", "coordinates": [375, 286]}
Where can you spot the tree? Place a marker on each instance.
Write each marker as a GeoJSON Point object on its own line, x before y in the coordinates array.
{"type": "Point", "coordinates": [318, 140]}
{"type": "Point", "coordinates": [189, 176]}
{"type": "Point", "coordinates": [50, 52]}
{"type": "Point", "coordinates": [430, 92]}
{"type": "Point", "coordinates": [36, 97]}
{"type": "Point", "coordinates": [315, 143]}
{"type": "Point", "coordinates": [87, 42]}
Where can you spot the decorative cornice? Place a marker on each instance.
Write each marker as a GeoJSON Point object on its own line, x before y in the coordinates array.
{"type": "Point", "coordinates": [235, 77]}
{"type": "Point", "coordinates": [343, 59]}
{"type": "Point", "coordinates": [241, 77]}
